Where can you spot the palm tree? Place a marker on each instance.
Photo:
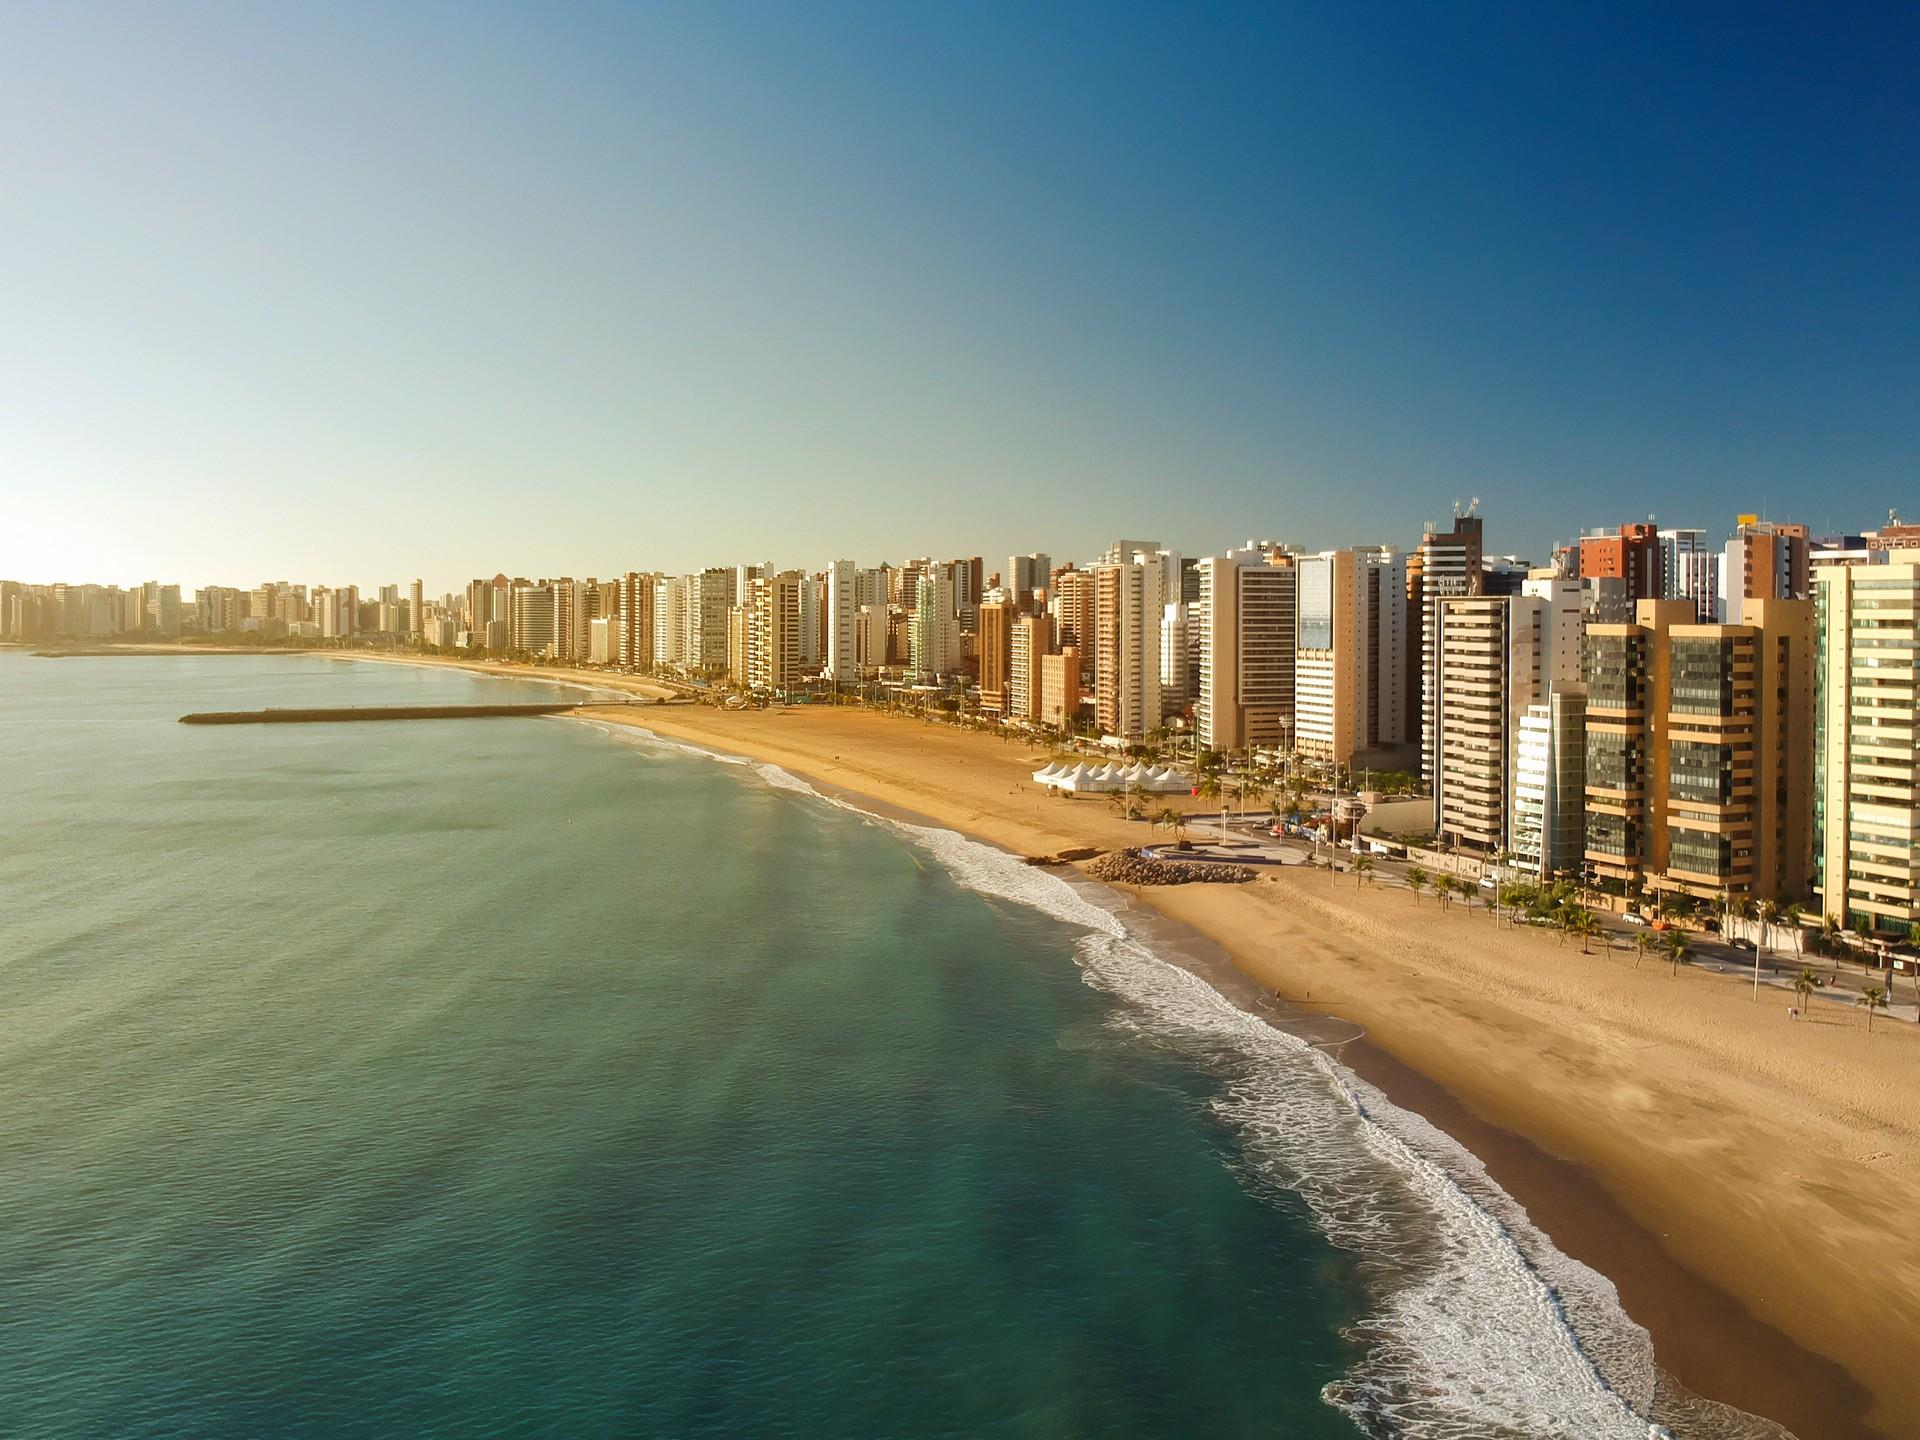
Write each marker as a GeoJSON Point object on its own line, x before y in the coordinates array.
{"type": "Point", "coordinates": [1913, 939]}
{"type": "Point", "coordinates": [1443, 887]}
{"type": "Point", "coordinates": [1874, 998]}
{"type": "Point", "coordinates": [1804, 984]}
{"type": "Point", "coordinates": [1464, 888]}
{"type": "Point", "coordinates": [1830, 931]}
{"type": "Point", "coordinates": [1644, 944]}
{"type": "Point", "coordinates": [1580, 922]}
{"type": "Point", "coordinates": [1362, 870]}
{"type": "Point", "coordinates": [1790, 917]}
{"type": "Point", "coordinates": [1678, 949]}
{"type": "Point", "coordinates": [1769, 921]}
{"type": "Point", "coordinates": [1209, 788]}
{"type": "Point", "coordinates": [1417, 881]}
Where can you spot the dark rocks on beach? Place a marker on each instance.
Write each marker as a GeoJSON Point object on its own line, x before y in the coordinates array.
{"type": "Point", "coordinates": [1130, 867]}
{"type": "Point", "coordinates": [1078, 852]}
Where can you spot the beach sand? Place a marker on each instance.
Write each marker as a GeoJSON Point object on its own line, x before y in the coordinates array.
{"type": "Point", "coordinates": [1751, 1184]}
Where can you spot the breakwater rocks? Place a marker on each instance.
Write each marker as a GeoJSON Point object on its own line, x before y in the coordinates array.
{"type": "Point", "coordinates": [1130, 867]}
{"type": "Point", "coordinates": [1064, 857]}
{"type": "Point", "coordinates": [375, 712]}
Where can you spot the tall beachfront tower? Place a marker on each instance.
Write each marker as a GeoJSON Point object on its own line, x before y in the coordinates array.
{"type": "Point", "coordinates": [1866, 765]}
{"type": "Point", "coordinates": [1700, 751]}
{"type": "Point", "coordinates": [1129, 603]}
{"type": "Point", "coordinates": [1242, 630]}
{"type": "Point", "coordinates": [1349, 655]}
{"type": "Point", "coordinates": [1445, 563]}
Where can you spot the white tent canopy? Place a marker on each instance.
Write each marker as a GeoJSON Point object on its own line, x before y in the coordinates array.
{"type": "Point", "coordinates": [1084, 779]}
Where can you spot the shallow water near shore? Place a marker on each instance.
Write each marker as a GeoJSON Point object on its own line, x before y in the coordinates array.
{"type": "Point", "coordinates": [519, 1078]}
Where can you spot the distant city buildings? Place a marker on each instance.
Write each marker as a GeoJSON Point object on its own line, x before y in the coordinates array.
{"type": "Point", "coordinates": [1725, 716]}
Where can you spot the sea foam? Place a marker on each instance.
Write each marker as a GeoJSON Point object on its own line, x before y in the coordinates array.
{"type": "Point", "coordinates": [1480, 1327]}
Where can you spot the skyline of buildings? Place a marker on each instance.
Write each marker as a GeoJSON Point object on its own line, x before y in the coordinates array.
{"type": "Point", "coordinates": [1648, 709]}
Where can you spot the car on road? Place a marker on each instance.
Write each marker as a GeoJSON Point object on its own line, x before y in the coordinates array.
{"type": "Point", "coordinates": [1634, 917]}
{"type": "Point", "coordinates": [1741, 943]}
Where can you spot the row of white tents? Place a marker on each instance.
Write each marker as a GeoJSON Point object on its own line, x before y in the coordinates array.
{"type": "Point", "coordinates": [1084, 779]}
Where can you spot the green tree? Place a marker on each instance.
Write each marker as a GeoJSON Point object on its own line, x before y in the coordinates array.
{"type": "Point", "coordinates": [1644, 944]}
{"type": "Point", "coordinates": [1874, 998]}
{"type": "Point", "coordinates": [1804, 984]}
{"type": "Point", "coordinates": [1362, 870]}
{"type": "Point", "coordinates": [1416, 881]}
{"type": "Point", "coordinates": [1580, 921]}
{"type": "Point", "coordinates": [1831, 935]}
{"type": "Point", "coordinates": [1678, 949]}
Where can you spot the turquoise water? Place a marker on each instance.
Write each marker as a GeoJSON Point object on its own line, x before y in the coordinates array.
{"type": "Point", "coordinates": [501, 1079]}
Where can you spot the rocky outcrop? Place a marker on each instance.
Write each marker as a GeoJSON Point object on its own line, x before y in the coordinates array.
{"type": "Point", "coordinates": [1064, 857]}
{"type": "Point", "coordinates": [1130, 867]}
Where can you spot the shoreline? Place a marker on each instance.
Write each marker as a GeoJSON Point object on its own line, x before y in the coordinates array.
{"type": "Point", "coordinates": [1748, 1203]}
{"type": "Point", "coordinates": [1683, 1261]}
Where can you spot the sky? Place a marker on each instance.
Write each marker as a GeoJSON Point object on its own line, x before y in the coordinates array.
{"type": "Point", "coordinates": [357, 293]}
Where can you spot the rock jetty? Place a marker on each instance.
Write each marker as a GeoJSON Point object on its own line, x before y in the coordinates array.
{"type": "Point", "coordinates": [1078, 852]}
{"type": "Point", "coordinates": [1130, 867]}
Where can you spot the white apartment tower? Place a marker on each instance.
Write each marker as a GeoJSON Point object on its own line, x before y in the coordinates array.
{"type": "Point", "coordinates": [670, 622]}
{"type": "Point", "coordinates": [934, 632]}
{"type": "Point", "coordinates": [1129, 603]}
{"type": "Point", "coordinates": [1349, 653]}
{"type": "Point", "coordinates": [1500, 660]}
{"type": "Point", "coordinates": [1690, 570]}
{"type": "Point", "coordinates": [841, 661]}
{"type": "Point", "coordinates": [1242, 633]}
{"type": "Point", "coordinates": [1866, 777]}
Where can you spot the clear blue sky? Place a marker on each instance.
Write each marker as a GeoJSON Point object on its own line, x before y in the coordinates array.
{"type": "Point", "coordinates": [354, 293]}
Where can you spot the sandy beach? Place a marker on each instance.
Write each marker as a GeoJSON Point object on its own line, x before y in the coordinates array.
{"type": "Point", "coordinates": [1747, 1181]}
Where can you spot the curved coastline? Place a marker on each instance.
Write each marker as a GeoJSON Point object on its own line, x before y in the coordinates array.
{"type": "Point", "coordinates": [1736, 1296]}
{"type": "Point", "coordinates": [1708, 1333]}
{"type": "Point", "coordinates": [1589, 1365]}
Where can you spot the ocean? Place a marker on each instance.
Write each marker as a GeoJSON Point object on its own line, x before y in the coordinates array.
{"type": "Point", "coordinates": [538, 1078]}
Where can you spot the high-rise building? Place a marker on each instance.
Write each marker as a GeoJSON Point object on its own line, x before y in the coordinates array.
{"type": "Point", "coordinates": [813, 622]}
{"type": "Point", "coordinates": [1060, 693]}
{"type": "Point", "coordinates": [707, 645]}
{"type": "Point", "coordinates": [934, 632]}
{"type": "Point", "coordinates": [739, 648]}
{"type": "Point", "coordinates": [1764, 561]}
{"type": "Point", "coordinates": [1546, 812]}
{"type": "Point", "coordinates": [1129, 599]}
{"type": "Point", "coordinates": [773, 638]}
{"type": "Point", "coordinates": [1349, 654]}
{"type": "Point", "coordinates": [1026, 574]}
{"type": "Point", "coordinates": [1866, 759]}
{"type": "Point", "coordinates": [996, 619]}
{"type": "Point", "coordinates": [1699, 750]}
{"type": "Point", "coordinates": [1176, 693]}
{"type": "Point", "coordinates": [1031, 640]}
{"type": "Point", "coordinates": [533, 624]}
{"type": "Point", "coordinates": [1242, 634]}
{"type": "Point", "coordinates": [1070, 601]}
{"type": "Point", "coordinates": [1445, 563]}
{"type": "Point", "coordinates": [636, 620]}
{"type": "Point", "coordinates": [416, 608]}
{"type": "Point", "coordinates": [841, 663]}
{"type": "Point", "coordinates": [603, 640]}
{"type": "Point", "coordinates": [1690, 570]}
{"type": "Point", "coordinates": [1499, 657]}
{"type": "Point", "coordinates": [670, 622]}
{"type": "Point", "coordinates": [1633, 554]}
